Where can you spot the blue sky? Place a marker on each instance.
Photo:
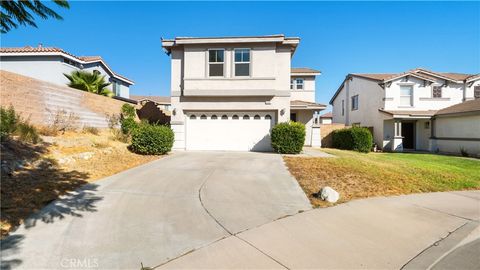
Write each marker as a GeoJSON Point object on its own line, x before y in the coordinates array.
{"type": "Point", "coordinates": [337, 37]}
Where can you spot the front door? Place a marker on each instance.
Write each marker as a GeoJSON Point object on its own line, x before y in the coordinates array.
{"type": "Point", "coordinates": [408, 134]}
{"type": "Point", "coordinates": [293, 117]}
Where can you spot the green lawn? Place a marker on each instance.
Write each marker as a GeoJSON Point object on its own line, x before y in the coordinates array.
{"type": "Point", "coordinates": [358, 175]}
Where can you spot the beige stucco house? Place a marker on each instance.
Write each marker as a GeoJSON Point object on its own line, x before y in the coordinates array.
{"type": "Point", "coordinates": [228, 92]}
{"type": "Point", "coordinates": [400, 106]}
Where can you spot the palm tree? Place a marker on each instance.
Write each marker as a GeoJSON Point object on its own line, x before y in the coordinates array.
{"type": "Point", "coordinates": [91, 82]}
{"type": "Point", "coordinates": [19, 12]}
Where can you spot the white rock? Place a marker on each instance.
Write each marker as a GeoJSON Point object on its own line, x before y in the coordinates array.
{"type": "Point", "coordinates": [329, 194]}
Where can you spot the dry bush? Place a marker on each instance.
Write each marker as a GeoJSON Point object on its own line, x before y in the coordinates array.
{"type": "Point", "coordinates": [118, 135]}
{"type": "Point", "coordinates": [60, 121]}
{"type": "Point", "coordinates": [113, 120]}
{"type": "Point", "coordinates": [91, 130]}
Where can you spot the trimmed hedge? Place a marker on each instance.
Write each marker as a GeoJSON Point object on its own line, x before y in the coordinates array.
{"type": "Point", "coordinates": [288, 138]}
{"type": "Point", "coordinates": [152, 139]}
{"type": "Point", "coordinates": [355, 138]}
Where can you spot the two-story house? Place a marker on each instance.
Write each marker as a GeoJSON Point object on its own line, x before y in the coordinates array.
{"type": "Point", "coordinates": [228, 92]}
{"type": "Point", "coordinates": [399, 107]}
{"type": "Point", "coordinates": [49, 64]}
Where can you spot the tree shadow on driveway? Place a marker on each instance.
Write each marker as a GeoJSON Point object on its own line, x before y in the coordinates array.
{"type": "Point", "coordinates": [35, 188]}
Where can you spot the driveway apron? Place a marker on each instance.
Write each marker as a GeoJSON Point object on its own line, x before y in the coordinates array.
{"type": "Point", "coordinates": [156, 212]}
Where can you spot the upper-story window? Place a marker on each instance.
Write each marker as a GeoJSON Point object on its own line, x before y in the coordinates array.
{"type": "Point", "coordinates": [355, 103]}
{"type": "Point", "coordinates": [242, 62]}
{"type": "Point", "coordinates": [116, 88]}
{"type": "Point", "coordinates": [437, 92]}
{"type": "Point", "coordinates": [406, 95]}
{"type": "Point", "coordinates": [296, 84]}
{"type": "Point", "coordinates": [299, 83]}
{"type": "Point", "coordinates": [476, 92]}
{"type": "Point", "coordinates": [216, 61]}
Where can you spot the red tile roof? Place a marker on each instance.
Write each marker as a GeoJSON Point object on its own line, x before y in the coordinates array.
{"type": "Point", "coordinates": [41, 49]}
{"type": "Point", "coordinates": [327, 115]}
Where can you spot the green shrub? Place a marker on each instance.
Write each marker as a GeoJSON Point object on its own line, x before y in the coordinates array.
{"type": "Point", "coordinates": [8, 122]}
{"type": "Point", "coordinates": [288, 138]}
{"type": "Point", "coordinates": [128, 111]}
{"type": "Point", "coordinates": [152, 139]}
{"type": "Point", "coordinates": [355, 138]}
{"type": "Point", "coordinates": [128, 125]}
{"type": "Point", "coordinates": [27, 133]}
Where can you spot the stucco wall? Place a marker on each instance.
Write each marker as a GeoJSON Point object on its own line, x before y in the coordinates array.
{"type": "Point", "coordinates": [270, 69]}
{"type": "Point", "coordinates": [454, 132]}
{"type": "Point", "coordinates": [337, 116]}
{"type": "Point", "coordinates": [422, 95]}
{"type": "Point", "coordinates": [39, 101]}
{"type": "Point", "coordinates": [305, 117]}
{"type": "Point", "coordinates": [308, 91]}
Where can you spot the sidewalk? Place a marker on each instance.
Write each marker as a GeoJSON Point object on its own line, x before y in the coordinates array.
{"type": "Point", "coordinates": [382, 233]}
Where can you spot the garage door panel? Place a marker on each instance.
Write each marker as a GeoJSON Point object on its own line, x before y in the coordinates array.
{"type": "Point", "coordinates": [241, 131]}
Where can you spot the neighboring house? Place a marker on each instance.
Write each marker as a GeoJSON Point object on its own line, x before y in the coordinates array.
{"type": "Point", "coordinates": [457, 128]}
{"type": "Point", "coordinates": [155, 109]}
{"type": "Point", "coordinates": [49, 64]}
{"type": "Point", "coordinates": [399, 107]}
{"type": "Point", "coordinates": [163, 103]}
{"type": "Point", "coordinates": [326, 118]}
{"type": "Point", "coordinates": [228, 92]}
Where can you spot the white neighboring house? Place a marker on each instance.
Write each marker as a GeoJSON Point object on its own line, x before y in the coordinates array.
{"type": "Point", "coordinates": [228, 92]}
{"type": "Point", "coordinates": [49, 64]}
{"type": "Point", "coordinates": [400, 106]}
{"type": "Point", "coordinates": [326, 118]}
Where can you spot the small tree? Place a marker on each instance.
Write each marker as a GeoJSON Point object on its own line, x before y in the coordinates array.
{"type": "Point", "coordinates": [92, 82]}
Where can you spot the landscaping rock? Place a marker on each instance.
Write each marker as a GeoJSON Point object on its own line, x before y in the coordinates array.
{"type": "Point", "coordinates": [329, 194]}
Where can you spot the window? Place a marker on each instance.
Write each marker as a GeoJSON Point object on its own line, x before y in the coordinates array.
{"type": "Point", "coordinates": [355, 103]}
{"type": "Point", "coordinates": [268, 117]}
{"type": "Point", "coordinates": [256, 117]}
{"type": "Point", "coordinates": [193, 117]}
{"type": "Point", "coordinates": [406, 95]}
{"type": "Point", "coordinates": [246, 117]}
{"type": "Point", "coordinates": [214, 117]}
{"type": "Point", "coordinates": [437, 92]}
{"type": "Point", "coordinates": [116, 88]}
{"type": "Point", "coordinates": [235, 117]}
{"type": "Point", "coordinates": [296, 83]}
{"type": "Point", "coordinates": [476, 92]}
{"type": "Point", "coordinates": [299, 83]}
{"type": "Point", "coordinates": [427, 125]}
{"type": "Point", "coordinates": [242, 62]}
{"type": "Point", "coordinates": [203, 117]}
{"type": "Point", "coordinates": [224, 117]}
{"type": "Point", "coordinates": [215, 62]}
{"type": "Point", "coordinates": [343, 107]}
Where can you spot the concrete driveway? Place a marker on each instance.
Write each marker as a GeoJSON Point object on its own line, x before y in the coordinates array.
{"type": "Point", "coordinates": [157, 212]}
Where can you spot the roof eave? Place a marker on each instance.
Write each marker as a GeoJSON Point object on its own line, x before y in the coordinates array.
{"type": "Point", "coordinates": [66, 55]}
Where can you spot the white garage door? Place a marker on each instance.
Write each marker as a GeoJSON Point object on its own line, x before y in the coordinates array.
{"type": "Point", "coordinates": [235, 131]}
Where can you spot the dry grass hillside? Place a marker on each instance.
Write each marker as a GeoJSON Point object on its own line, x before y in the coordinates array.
{"type": "Point", "coordinates": [35, 174]}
